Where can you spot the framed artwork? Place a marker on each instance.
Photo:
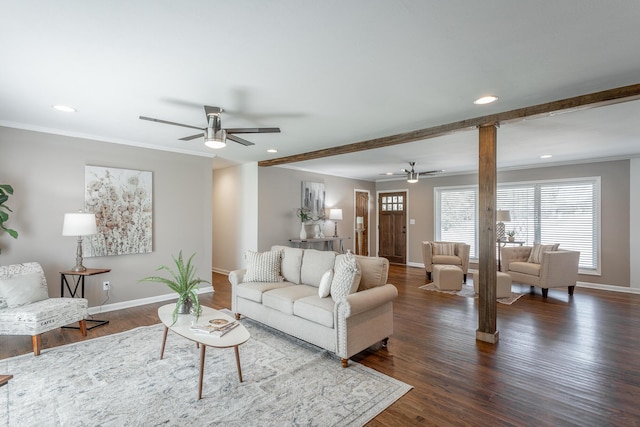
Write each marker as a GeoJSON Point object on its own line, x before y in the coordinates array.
{"type": "Point", "coordinates": [122, 201]}
{"type": "Point", "coordinates": [313, 198]}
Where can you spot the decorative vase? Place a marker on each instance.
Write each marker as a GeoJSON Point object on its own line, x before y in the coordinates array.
{"type": "Point", "coordinates": [303, 232]}
{"type": "Point", "coordinates": [185, 307]}
{"type": "Point", "coordinates": [511, 238]}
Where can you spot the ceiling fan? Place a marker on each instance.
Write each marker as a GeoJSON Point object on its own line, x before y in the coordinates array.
{"type": "Point", "coordinates": [412, 175]}
{"type": "Point", "coordinates": [214, 135]}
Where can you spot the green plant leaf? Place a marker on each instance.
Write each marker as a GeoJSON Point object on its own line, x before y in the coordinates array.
{"type": "Point", "coordinates": [6, 188]}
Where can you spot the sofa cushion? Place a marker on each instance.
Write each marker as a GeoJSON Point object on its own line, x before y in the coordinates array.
{"type": "Point", "coordinates": [314, 265]}
{"type": "Point", "coordinates": [263, 267]}
{"type": "Point", "coordinates": [346, 277]}
{"type": "Point", "coordinates": [22, 289]}
{"type": "Point", "coordinates": [446, 259]}
{"type": "Point", "coordinates": [374, 271]}
{"type": "Point", "coordinates": [325, 284]}
{"type": "Point", "coordinates": [316, 309]}
{"type": "Point", "coordinates": [444, 248]}
{"type": "Point", "coordinates": [253, 291]}
{"type": "Point", "coordinates": [525, 268]}
{"type": "Point", "coordinates": [282, 299]}
{"type": "Point", "coordinates": [291, 263]}
{"type": "Point", "coordinates": [536, 252]}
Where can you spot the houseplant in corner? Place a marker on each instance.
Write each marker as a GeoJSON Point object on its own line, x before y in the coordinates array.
{"type": "Point", "coordinates": [183, 283]}
{"type": "Point", "coordinates": [5, 191]}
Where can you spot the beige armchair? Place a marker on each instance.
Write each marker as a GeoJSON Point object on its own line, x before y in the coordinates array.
{"type": "Point", "coordinates": [434, 253]}
{"type": "Point", "coordinates": [557, 269]}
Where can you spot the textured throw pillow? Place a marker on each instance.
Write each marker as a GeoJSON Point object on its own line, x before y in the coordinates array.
{"type": "Point", "coordinates": [263, 266]}
{"type": "Point", "coordinates": [22, 289]}
{"type": "Point", "coordinates": [536, 253]}
{"type": "Point", "coordinates": [346, 278]}
{"type": "Point", "coordinates": [444, 248]}
{"type": "Point", "coordinates": [325, 284]}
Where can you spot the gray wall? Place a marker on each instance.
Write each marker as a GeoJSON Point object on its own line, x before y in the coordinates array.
{"type": "Point", "coordinates": [615, 187]}
{"type": "Point", "coordinates": [47, 173]}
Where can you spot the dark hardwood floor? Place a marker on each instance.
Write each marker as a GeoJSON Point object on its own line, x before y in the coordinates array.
{"type": "Point", "coordinates": [563, 361]}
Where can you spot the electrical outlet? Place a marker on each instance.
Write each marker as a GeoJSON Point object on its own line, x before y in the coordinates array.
{"type": "Point", "coordinates": [106, 285]}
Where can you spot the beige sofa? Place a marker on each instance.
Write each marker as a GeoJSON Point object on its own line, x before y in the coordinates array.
{"type": "Point", "coordinates": [556, 269]}
{"type": "Point", "coordinates": [345, 327]}
{"type": "Point", "coordinates": [431, 255]}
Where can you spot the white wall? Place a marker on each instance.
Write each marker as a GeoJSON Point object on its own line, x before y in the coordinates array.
{"type": "Point", "coordinates": [47, 173]}
{"type": "Point", "coordinates": [634, 228]}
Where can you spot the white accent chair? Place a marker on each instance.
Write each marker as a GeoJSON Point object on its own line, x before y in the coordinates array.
{"type": "Point", "coordinates": [557, 269]}
{"type": "Point", "coordinates": [431, 257]}
{"type": "Point", "coordinates": [25, 306]}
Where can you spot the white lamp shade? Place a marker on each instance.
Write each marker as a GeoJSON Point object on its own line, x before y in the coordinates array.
{"type": "Point", "coordinates": [335, 214]}
{"type": "Point", "coordinates": [503, 215]}
{"type": "Point", "coordinates": [215, 140]}
{"type": "Point", "coordinates": [79, 224]}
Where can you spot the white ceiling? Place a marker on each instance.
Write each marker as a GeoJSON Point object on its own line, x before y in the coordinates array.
{"type": "Point", "coordinates": [327, 73]}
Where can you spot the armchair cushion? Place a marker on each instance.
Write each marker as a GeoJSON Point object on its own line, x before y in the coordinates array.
{"type": "Point", "coordinates": [525, 268]}
{"type": "Point", "coordinates": [22, 289]}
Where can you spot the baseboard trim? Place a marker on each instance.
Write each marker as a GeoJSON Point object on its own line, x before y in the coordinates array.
{"type": "Point", "coordinates": [142, 301]}
{"type": "Point", "coordinates": [220, 271]}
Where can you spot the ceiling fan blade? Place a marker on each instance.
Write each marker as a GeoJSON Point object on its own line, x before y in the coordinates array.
{"type": "Point", "coordinates": [239, 140]}
{"type": "Point", "coordinates": [252, 130]}
{"type": "Point", "coordinates": [433, 172]}
{"type": "Point", "coordinates": [189, 138]}
{"type": "Point", "coordinates": [166, 122]}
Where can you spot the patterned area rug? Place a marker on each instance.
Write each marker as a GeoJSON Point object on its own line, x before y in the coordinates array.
{"type": "Point", "coordinates": [468, 292]}
{"type": "Point", "coordinates": [119, 380]}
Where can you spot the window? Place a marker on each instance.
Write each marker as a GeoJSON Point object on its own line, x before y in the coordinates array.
{"type": "Point", "coordinates": [559, 211]}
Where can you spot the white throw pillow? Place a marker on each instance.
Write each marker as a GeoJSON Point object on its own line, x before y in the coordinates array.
{"type": "Point", "coordinates": [325, 284]}
{"type": "Point", "coordinates": [22, 289]}
{"type": "Point", "coordinates": [263, 267]}
{"type": "Point", "coordinates": [536, 252]}
{"type": "Point", "coordinates": [346, 278]}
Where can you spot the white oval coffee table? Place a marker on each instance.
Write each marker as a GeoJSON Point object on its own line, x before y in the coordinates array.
{"type": "Point", "coordinates": [237, 336]}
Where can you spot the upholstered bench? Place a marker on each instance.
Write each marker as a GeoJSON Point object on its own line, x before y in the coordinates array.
{"type": "Point", "coordinates": [503, 286]}
{"type": "Point", "coordinates": [447, 277]}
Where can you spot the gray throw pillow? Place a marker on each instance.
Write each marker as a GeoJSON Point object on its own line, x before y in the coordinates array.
{"type": "Point", "coordinates": [22, 289]}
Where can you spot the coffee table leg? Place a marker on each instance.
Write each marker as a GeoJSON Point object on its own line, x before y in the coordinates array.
{"type": "Point", "coordinates": [164, 341]}
{"type": "Point", "coordinates": [202, 349]}
{"type": "Point", "coordinates": [238, 363]}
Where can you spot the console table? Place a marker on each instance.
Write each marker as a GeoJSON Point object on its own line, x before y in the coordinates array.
{"type": "Point", "coordinates": [77, 279]}
{"type": "Point", "coordinates": [327, 243]}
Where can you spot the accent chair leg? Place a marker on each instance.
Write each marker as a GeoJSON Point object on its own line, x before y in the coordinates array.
{"type": "Point", "coordinates": [385, 342]}
{"type": "Point", "coordinates": [428, 275]}
{"type": "Point", "coordinates": [571, 289]}
{"type": "Point", "coordinates": [465, 277]}
{"type": "Point", "coordinates": [83, 327]}
{"type": "Point", "coordinates": [37, 344]}
{"type": "Point", "coordinates": [532, 290]}
{"type": "Point", "coordinates": [345, 362]}
{"type": "Point", "coordinates": [545, 292]}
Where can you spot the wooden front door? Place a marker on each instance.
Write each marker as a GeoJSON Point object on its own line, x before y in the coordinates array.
{"type": "Point", "coordinates": [362, 211]}
{"type": "Point", "coordinates": [392, 228]}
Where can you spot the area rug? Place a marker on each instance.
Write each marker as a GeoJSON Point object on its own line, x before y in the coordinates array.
{"type": "Point", "coordinates": [468, 292]}
{"type": "Point", "coordinates": [119, 380]}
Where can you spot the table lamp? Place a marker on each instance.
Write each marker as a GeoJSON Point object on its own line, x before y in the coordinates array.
{"type": "Point", "coordinates": [335, 215]}
{"type": "Point", "coordinates": [500, 217]}
{"type": "Point", "coordinates": [79, 224]}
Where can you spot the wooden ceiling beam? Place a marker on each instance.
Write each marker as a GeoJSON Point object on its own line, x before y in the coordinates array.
{"type": "Point", "coordinates": [592, 100]}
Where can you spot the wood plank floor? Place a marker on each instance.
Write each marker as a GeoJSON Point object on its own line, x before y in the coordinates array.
{"type": "Point", "coordinates": [559, 362]}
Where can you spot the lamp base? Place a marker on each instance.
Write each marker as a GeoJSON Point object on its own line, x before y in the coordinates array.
{"type": "Point", "coordinates": [335, 230]}
{"type": "Point", "coordinates": [78, 268]}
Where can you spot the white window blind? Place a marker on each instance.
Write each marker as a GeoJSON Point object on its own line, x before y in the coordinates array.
{"type": "Point", "coordinates": [560, 211]}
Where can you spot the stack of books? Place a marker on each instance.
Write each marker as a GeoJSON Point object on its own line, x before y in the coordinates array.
{"type": "Point", "coordinates": [215, 327]}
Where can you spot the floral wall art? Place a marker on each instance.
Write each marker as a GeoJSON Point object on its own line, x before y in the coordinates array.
{"type": "Point", "coordinates": [122, 202]}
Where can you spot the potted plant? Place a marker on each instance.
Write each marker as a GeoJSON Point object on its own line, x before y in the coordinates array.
{"type": "Point", "coordinates": [512, 235]}
{"type": "Point", "coordinates": [183, 283]}
{"type": "Point", "coordinates": [5, 191]}
{"type": "Point", "coordinates": [305, 216]}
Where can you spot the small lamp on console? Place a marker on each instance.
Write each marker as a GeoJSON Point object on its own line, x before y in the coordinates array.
{"type": "Point", "coordinates": [79, 224]}
{"type": "Point", "coordinates": [501, 216]}
{"type": "Point", "coordinates": [335, 215]}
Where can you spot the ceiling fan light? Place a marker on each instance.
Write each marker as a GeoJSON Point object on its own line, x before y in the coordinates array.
{"type": "Point", "coordinates": [215, 140]}
{"type": "Point", "coordinates": [412, 177]}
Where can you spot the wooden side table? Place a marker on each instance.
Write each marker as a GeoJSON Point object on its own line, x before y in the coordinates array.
{"type": "Point", "coordinates": [4, 379]}
{"type": "Point", "coordinates": [77, 280]}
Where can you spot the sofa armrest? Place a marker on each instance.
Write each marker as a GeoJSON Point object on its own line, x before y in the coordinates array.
{"type": "Point", "coordinates": [559, 269]}
{"type": "Point", "coordinates": [363, 301]}
{"type": "Point", "coordinates": [511, 254]}
{"type": "Point", "coordinates": [427, 253]}
{"type": "Point", "coordinates": [237, 276]}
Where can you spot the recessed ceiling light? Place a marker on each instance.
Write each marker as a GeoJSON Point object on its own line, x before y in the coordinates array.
{"type": "Point", "coordinates": [389, 173]}
{"type": "Point", "coordinates": [64, 108]}
{"type": "Point", "coordinates": [272, 150]}
{"type": "Point", "coordinates": [485, 100]}
{"type": "Point", "coordinates": [546, 156]}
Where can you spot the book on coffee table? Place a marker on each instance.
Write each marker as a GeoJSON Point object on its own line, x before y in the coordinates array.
{"type": "Point", "coordinates": [215, 330]}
